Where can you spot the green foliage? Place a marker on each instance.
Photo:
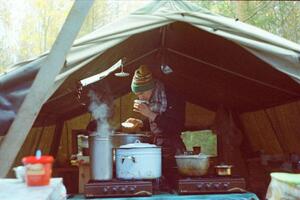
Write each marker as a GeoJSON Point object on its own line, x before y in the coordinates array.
{"type": "Point", "coordinates": [95, 18]}
{"type": "Point", "coordinates": [278, 17]}
{"type": "Point", "coordinates": [225, 8]}
{"type": "Point", "coordinates": [205, 138]}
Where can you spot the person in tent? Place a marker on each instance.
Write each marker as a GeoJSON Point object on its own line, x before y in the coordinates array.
{"type": "Point", "coordinates": [163, 108]}
{"type": "Point", "coordinates": [164, 111]}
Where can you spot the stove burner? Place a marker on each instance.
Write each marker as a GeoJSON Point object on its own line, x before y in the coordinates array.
{"type": "Point", "coordinates": [213, 184]}
{"type": "Point", "coordinates": [118, 188]}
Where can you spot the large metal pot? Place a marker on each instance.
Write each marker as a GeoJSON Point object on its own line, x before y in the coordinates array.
{"type": "Point", "coordinates": [138, 161]}
{"type": "Point", "coordinates": [192, 165]}
{"type": "Point", "coordinates": [102, 151]}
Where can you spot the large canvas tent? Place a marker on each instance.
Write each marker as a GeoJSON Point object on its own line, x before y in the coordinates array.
{"type": "Point", "coordinates": [232, 63]}
{"type": "Point", "coordinates": [216, 62]}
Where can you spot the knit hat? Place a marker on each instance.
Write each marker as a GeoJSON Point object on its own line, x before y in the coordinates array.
{"type": "Point", "coordinates": [142, 80]}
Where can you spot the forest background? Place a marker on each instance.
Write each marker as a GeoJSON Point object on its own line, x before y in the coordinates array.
{"type": "Point", "coordinates": [28, 28]}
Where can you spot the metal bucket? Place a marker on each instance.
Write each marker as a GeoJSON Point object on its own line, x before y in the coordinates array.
{"type": "Point", "coordinates": [100, 157]}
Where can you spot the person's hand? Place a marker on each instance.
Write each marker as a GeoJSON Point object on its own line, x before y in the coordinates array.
{"type": "Point", "coordinates": [132, 125]}
{"type": "Point", "coordinates": [144, 110]}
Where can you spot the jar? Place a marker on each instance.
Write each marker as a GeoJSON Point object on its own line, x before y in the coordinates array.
{"type": "Point", "coordinates": [38, 170]}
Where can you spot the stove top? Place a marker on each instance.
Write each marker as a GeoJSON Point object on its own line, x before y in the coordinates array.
{"type": "Point", "coordinates": [183, 185]}
{"type": "Point", "coordinates": [118, 188]}
{"type": "Point", "coordinates": [211, 184]}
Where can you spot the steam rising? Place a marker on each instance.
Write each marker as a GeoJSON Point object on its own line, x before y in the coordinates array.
{"type": "Point", "coordinates": [99, 111]}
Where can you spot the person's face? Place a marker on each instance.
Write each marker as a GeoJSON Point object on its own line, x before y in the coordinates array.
{"type": "Point", "coordinates": [144, 95]}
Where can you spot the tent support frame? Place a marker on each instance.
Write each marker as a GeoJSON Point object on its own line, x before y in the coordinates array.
{"type": "Point", "coordinates": [163, 45]}
{"type": "Point", "coordinates": [233, 73]}
{"type": "Point", "coordinates": [127, 63]}
{"type": "Point", "coordinates": [57, 137]}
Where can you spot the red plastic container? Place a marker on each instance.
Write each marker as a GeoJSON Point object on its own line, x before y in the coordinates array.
{"type": "Point", "coordinates": [38, 171]}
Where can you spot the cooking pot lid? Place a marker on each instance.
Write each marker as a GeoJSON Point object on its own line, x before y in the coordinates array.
{"type": "Point", "coordinates": [137, 144]}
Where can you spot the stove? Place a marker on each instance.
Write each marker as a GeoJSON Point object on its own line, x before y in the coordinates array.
{"type": "Point", "coordinates": [214, 184]}
{"type": "Point", "coordinates": [118, 188]}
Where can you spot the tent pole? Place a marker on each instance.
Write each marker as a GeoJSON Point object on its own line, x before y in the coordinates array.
{"type": "Point", "coordinates": [42, 86]}
{"type": "Point", "coordinates": [233, 73]}
{"type": "Point", "coordinates": [57, 137]}
{"type": "Point", "coordinates": [163, 47]}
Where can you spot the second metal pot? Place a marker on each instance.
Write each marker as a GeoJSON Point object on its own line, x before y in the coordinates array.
{"type": "Point", "coordinates": [192, 165]}
{"type": "Point", "coordinates": [138, 161]}
{"type": "Point", "coordinates": [121, 138]}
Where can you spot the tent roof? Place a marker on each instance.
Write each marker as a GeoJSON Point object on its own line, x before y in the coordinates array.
{"type": "Point", "coordinates": [215, 60]}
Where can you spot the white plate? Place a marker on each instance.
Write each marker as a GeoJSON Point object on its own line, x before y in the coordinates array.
{"type": "Point", "coordinates": [127, 124]}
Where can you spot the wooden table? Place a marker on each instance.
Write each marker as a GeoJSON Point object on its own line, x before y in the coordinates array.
{"type": "Point", "coordinates": [83, 164]}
